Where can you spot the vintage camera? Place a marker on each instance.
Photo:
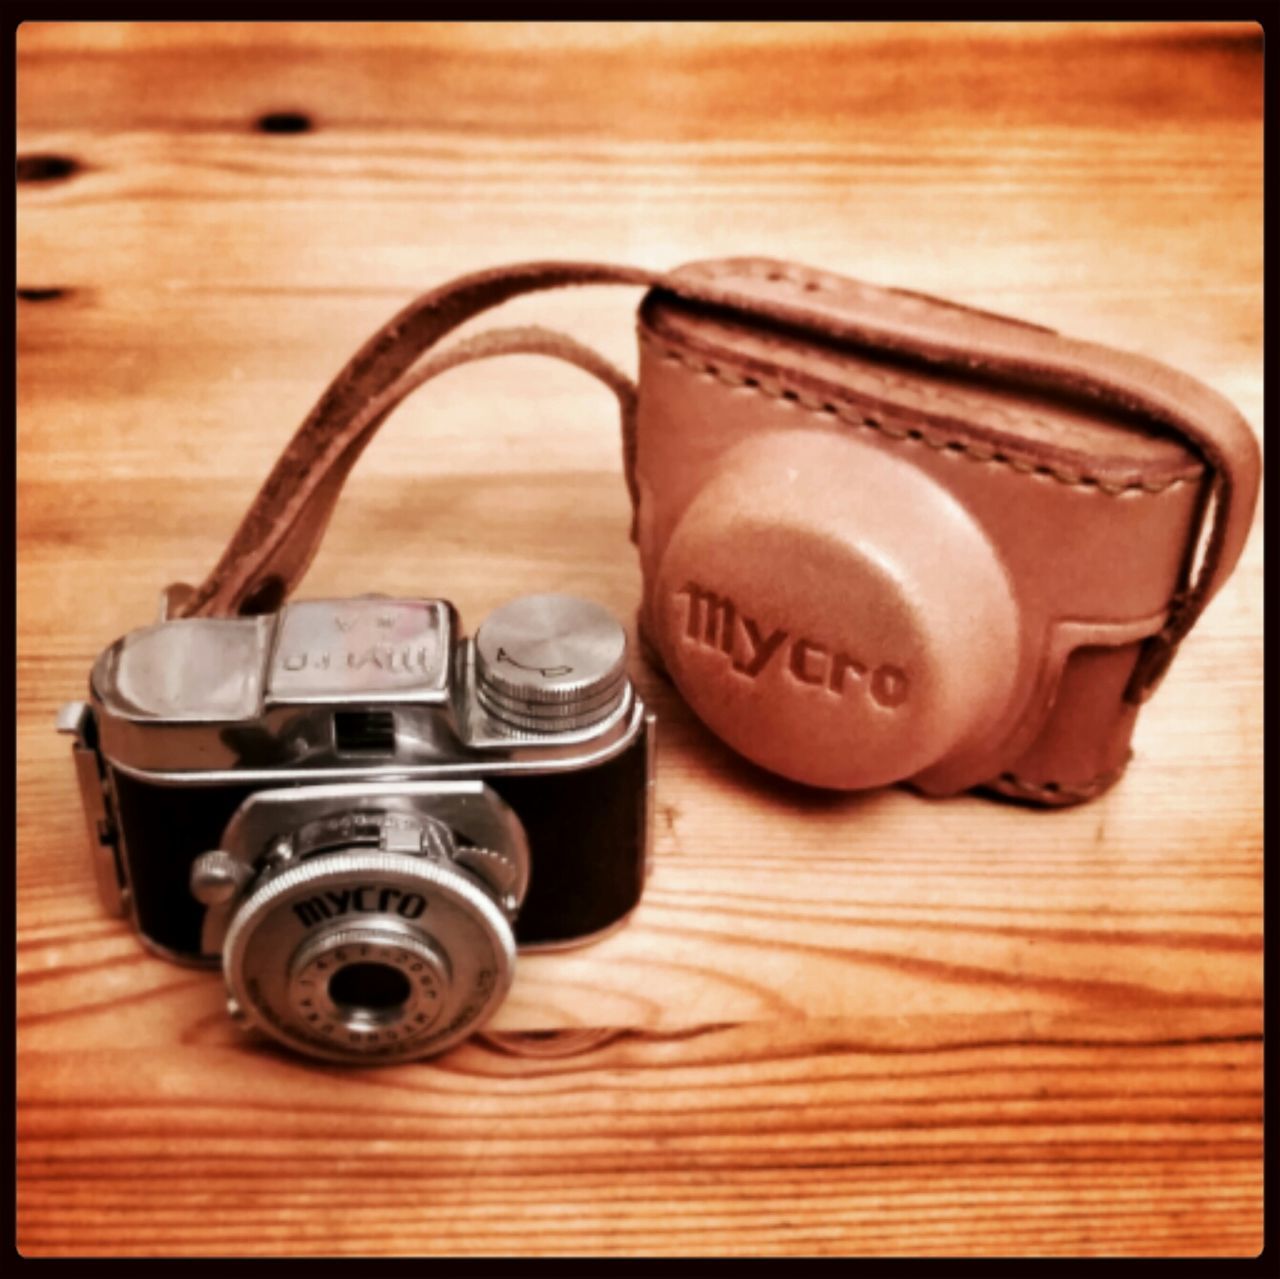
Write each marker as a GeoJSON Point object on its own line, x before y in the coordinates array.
{"type": "Point", "coordinates": [360, 813]}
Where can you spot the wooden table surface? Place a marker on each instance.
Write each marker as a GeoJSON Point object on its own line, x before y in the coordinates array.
{"type": "Point", "coordinates": [864, 1024]}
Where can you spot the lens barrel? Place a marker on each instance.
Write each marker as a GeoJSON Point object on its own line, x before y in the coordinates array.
{"type": "Point", "coordinates": [358, 954]}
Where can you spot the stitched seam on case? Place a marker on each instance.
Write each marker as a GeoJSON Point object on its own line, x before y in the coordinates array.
{"type": "Point", "coordinates": [856, 417]}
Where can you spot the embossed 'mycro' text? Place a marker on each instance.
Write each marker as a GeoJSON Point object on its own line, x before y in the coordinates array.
{"type": "Point", "coordinates": [713, 621]}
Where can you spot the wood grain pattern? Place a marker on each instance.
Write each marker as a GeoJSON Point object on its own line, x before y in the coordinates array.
{"type": "Point", "coordinates": [871, 1024]}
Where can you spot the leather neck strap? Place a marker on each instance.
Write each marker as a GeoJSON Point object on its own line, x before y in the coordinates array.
{"type": "Point", "coordinates": [282, 529]}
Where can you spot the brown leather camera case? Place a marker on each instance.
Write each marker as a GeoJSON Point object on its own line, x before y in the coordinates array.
{"type": "Point", "coordinates": [884, 537]}
{"type": "Point", "coordinates": [863, 565]}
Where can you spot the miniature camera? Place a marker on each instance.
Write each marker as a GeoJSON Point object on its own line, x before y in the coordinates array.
{"type": "Point", "coordinates": [361, 814]}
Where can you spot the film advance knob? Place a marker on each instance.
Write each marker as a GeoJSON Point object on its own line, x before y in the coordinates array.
{"type": "Point", "coordinates": [550, 663]}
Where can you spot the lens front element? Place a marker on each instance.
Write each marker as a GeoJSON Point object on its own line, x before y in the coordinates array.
{"type": "Point", "coordinates": [370, 990]}
{"type": "Point", "coordinates": [368, 986]}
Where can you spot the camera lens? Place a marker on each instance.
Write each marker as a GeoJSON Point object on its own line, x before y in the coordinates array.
{"type": "Point", "coordinates": [354, 953]}
{"type": "Point", "coordinates": [371, 990]}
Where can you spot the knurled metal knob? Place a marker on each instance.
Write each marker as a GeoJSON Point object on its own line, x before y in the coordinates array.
{"type": "Point", "coordinates": [550, 663]}
{"type": "Point", "coordinates": [216, 877]}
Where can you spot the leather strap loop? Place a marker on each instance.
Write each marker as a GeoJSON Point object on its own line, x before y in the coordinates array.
{"type": "Point", "coordinates": [296, 543]}
{"type": "Point", "coordinates": [280, 533]}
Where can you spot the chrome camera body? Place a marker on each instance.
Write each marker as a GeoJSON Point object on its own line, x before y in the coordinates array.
{"type": "Point", "coordinates": [360, 814]}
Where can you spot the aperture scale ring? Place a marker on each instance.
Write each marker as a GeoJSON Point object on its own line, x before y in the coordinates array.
{"type": "Point", "coordinates": [317, 960]}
